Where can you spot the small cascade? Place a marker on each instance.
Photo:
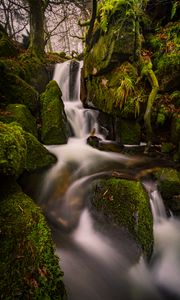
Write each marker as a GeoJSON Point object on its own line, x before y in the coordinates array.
{"type": "Point", "coordinates": [156, 201]}
{"type": "Point", "coordinates": [160, 280]}
{"type": "Point", "coordinates": [100, 264]}
{"type": "Point", "coordinates": [82, 121]}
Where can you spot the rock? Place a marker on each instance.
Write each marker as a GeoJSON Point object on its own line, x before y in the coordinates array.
{"type": "Point", "coordinates": [20, 114]}
{"type": "Point", "coordinates": [128, 131]}
{"type": "Point", "coordinates": [28, 265]}
{"type": "Point", "coordinates": [169, 187]}
{"type": "Point", "coordinates": [38, 157]}
{"type": "Point", "coordinates": [54, 122]}
{"type": "Point", "coordinates": [16, 90]}
{"type": "Point", "coordinates": [7, 46]}
{"type": "Point", "coordinates": [125, 203]}
{"type": "Point", "coordinates": [13, 150]}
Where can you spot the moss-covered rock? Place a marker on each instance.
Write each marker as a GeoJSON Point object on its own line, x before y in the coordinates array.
{"type": "Point", "coordinates": [128, 132]}
{"type": "Point", "coordinates": [54, 121]}
{"type": "Point", "coordinates": [13, 149]}
{"type": "Point", "coordinates": [36, 72]}
{"type": "Point", "coordinates": [7, 47]}
{"type": "Point", "coordinates": [28, 267]}
{"type": "Point", "coordinates": [126, 203]}
{"type": "Point", "coordinates": [165, 46]}
{"type": "Point", "coordinates": [175, 128]}
{"type": "Point", "coordinates": [20, 114]}
{"type": "Point", "coordinates": [169, 186]}
{"type": "Point", "coordinates": [38, 156]}
{"type": "Point", "coordinates": [117, 92]}
{"type": "Point", "coordinates": [13, 89]}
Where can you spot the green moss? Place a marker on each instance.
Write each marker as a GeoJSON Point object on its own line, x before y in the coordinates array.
{"type": "Point", "coordinates": [117, 92]}
{"type": "Point", "coordinates": [13, 150]}
{"type": "Point", "coordinates": [168, 183]}
{"type": "Point", "coordinates": [28, 266]}
{"type": "Point", "coordinates": [175, 128]}
{"type": "Point", "coordinates": [126, 203]}
{"type": "Point", "coordinates": [165, 45]}
{"type": "Point", "coordinates": [38, 156]}
{"type": "Point", "coordinates": [16, 90]}
{"type": "Point", "coordinates": [7, 47]}
{"type": "Point", "coordinates": [35, 71]}
{"type": "Point", "coordinates": [12, 65]}
{"type": "Point", "coordinates": [54, 122]}
{"type": "Point", "coordinates": [128, 131]}
{"type": "Point", "coordinates": [20, 114]}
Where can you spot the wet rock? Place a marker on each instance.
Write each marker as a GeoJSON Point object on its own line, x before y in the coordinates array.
{"type": "Point", "coordinates": [54, 128]}
{"type": "Point", "coordinates": [125, 203]}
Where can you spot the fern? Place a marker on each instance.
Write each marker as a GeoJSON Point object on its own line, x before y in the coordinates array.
{"type": "Point", "coordinates": [125, 90]}
{"type": "Point", "coordinates": [174, 9]}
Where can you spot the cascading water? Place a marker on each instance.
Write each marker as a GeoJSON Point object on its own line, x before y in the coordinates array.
{"type": "Point", "coordinates": [100, 266]}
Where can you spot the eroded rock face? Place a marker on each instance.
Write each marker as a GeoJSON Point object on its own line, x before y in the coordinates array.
{"type": "Point", "coordinates": [125, 203]}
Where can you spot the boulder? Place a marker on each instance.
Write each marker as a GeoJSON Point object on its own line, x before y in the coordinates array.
{"type": "Point", "coordinates": [29, 268]}
{"type": "Point", "coordinates": [169, 187]}
{"type": "Point", "coordinates": [38, 157]}
{"type": "Point", "coordinates": [54, 122]}
{"type": "Point", "coordinates": [14, 89]}
{"type": "Point", "coordinates": [20, 114]}
{"type": "Point", "coordinates": [13, 150]}
{"type": "Point", "coordinates": [125, 203]}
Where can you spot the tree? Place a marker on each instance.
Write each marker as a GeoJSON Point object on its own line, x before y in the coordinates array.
{"type": "Point", "coordinates": [36, 16]}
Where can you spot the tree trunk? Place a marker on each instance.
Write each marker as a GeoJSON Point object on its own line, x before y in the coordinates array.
{"type": "Point", "coordinates": [91, 25]}
{"type": "Point", "coordinates": [37, 41]}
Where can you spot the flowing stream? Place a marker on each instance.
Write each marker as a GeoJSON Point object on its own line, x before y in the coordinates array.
{"type": "Point", "coordinates": [101, 262]}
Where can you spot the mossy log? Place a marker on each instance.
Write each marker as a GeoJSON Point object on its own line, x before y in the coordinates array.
{"type": "Point", "coordinates": [149, 73]}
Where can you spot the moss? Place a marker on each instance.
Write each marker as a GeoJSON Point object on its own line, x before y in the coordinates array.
{"type": "Point", "coordinates": [36, 73]}
{"type": "Point", "coordinates": [126, 203]}
{"type": "Point", "coordinates": [165, 46]}
{"type": "Point", "coordinates": [128, 131]}
{"type": "Point", "coordinates": [13, 150]}
{"type": "Point", "coordinates": [7, 47]}
{"type": "Point", "coordinates": [167, 147]}
{"type": "Point", "coordinates": [28, 266]}
{"type": "Point", "coordinates": [12, 65]}
{"type": "Point", "coordinates": [175, 128]}
{"type": "Point", "coordinates": [117, 92]}
{"type": "Point", "coordinates": [168, 183]}
{"type": "Point", "coordinates": [54, 122]}
{"type": "Point", "coordinates": [38, 156]}
{"type": "Point", "coordinates": [16, 90]}
{"type": "Point", "coordinates": [19, 113]}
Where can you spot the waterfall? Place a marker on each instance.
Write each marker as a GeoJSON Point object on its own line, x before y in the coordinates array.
{"type": "Point", "coordinates": [82, 121]}
{"type": "Point", "coordinates": [100, 265]}
{"type": "Point", "coordinates": [162, 278]}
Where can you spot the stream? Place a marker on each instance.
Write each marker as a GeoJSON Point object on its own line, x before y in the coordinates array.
{"type": "Point", "coordinates": [101, 262]}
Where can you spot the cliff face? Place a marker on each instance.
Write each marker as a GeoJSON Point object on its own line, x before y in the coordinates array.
{"type": "Point", "coordinates": [131, 66]}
